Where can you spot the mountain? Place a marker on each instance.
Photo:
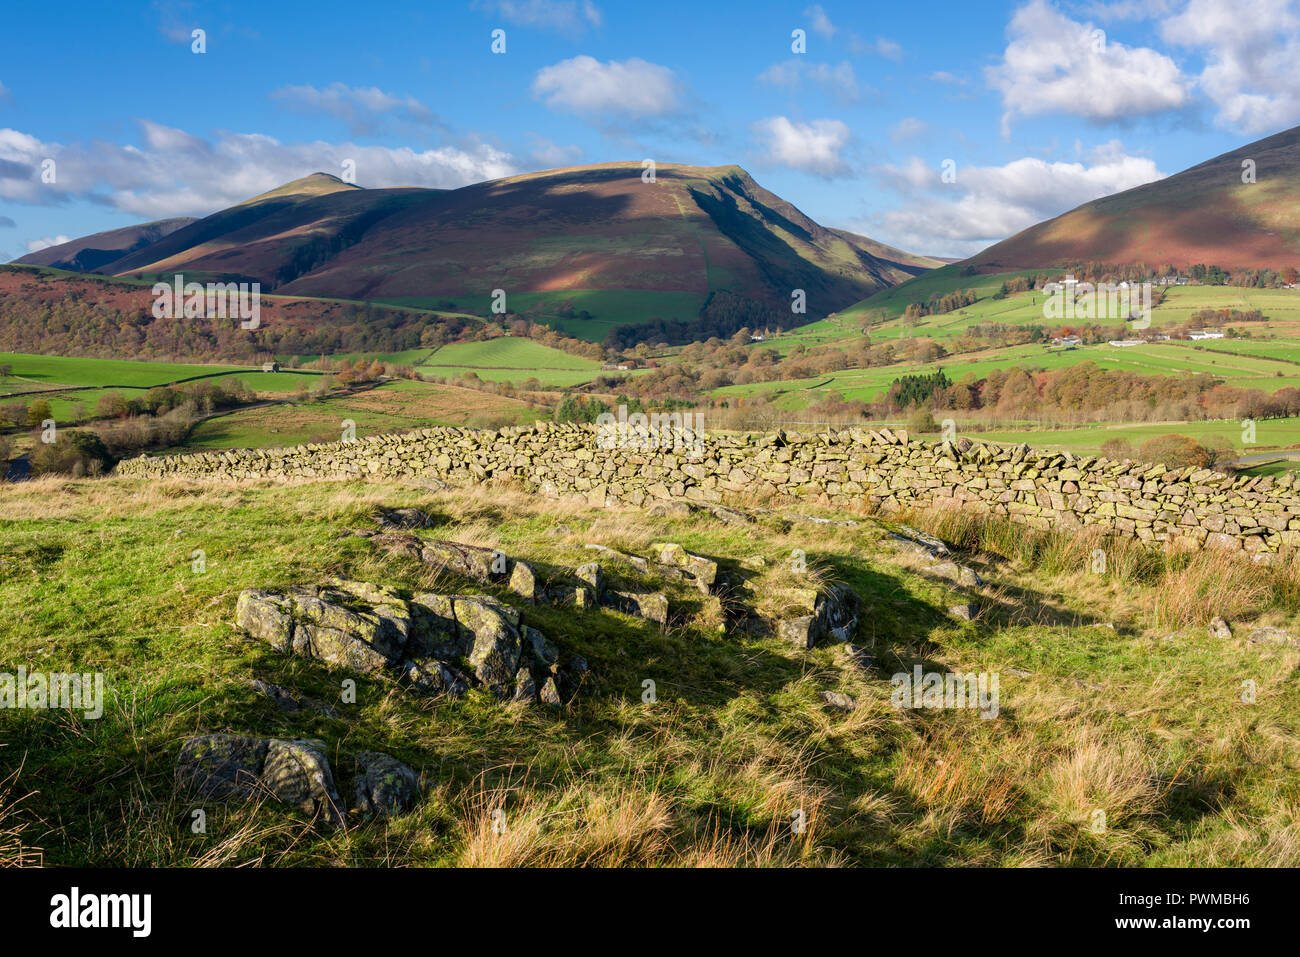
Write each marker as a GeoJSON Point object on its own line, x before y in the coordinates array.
{"type": "Point", "coordinates": [99, 249]}
{"type": "Point", "coordinates": [595, 245]}
{"type": "Point", "coordinates": [1205, 214]}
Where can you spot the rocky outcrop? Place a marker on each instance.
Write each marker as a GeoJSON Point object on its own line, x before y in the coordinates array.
{"type": "Point", "coordinates": [294, 772]}
{"type": "Point", "coordinates": [441, 644]}
{"type": "Point", "coordinates": [384, 786]}
{"type": "Point", "coordinates": [584, 587]}
{"type": "Point", "coordinates": [833, 615]}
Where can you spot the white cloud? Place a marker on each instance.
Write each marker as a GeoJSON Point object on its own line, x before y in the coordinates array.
{"type": "Point", "coordinates": [175, 173]}
{"type": "Point", "coordinates": [586, 86]}
{"type": "Point", "coordinates": [36, 245]}
{"type": "Point", "coordinates": [812, 147]}
{"type": "Point", "coordinates": [888, 49]}
{"type": "Point", "coordinates": [907, 128]}
{"type": "Point", "coordinates": [176, 20]}
{"type": "Point", "coordinates": [567, 16]}
{"type": "Point", "coordinates": [1251, 49]}
{"type": "Point", "coordinates": [1053, 64]}
{"type": "Point", "coordinates": [987, 204]}
{"type": "Point", "coordinates": [820, 22]}
{"type": "Point", "coordinates": [839, 80]}
{"type": "Point", "coordinates": [361, 108]}
{"type": "Point", "coordinates": [550, 155]}
{"type": "Point", "coordinates": [880, 46]}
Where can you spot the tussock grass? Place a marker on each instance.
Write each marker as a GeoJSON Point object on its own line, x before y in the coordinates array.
{"type": "Point", "coordinates": [738, 761]}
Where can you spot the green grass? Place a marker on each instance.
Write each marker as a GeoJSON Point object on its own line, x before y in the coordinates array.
{"type": "Point", "coordinates": [510, 359]}
{"type": "Point", "coordinates": [97, 576]}
{"type": "Point", "coordinates": [36, 372]}
{"type": "Point", "coordinates": [1269, 434]}
{"type": "Point", "coordinates": [507, 352]}
{"type": "Point", "coordinates": [400, 404]}
{"type": "Point", "coordinates": [609, 308]}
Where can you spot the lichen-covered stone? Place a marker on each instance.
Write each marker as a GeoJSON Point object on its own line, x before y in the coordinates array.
{"type": "Point", "coordinates": [384, 785]}
{"type": "Point", "coordinates": [294, 772]}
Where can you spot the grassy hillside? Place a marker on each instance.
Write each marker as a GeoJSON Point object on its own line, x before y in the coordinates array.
{"type": "Point", "coordinates": [395, 405]}
{"type": "Point", "coordinates": [1143, 721]}
{"type": "Point", "coordinates": [587, 248]}
{"type": "Point", "coordinates": [509, 359]}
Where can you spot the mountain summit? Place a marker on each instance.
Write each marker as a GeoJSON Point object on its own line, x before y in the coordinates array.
{"type": "Point", "coordinates": [601, 243]}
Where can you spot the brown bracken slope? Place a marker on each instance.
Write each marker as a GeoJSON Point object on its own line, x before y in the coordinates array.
{"type": "Point", "coordinates": [1206, 214]}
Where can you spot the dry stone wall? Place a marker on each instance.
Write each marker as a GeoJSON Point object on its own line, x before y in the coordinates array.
{"type": "Point", "coordinates": [1188, 507]}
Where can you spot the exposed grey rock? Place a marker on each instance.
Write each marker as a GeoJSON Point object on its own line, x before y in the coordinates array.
{"type": "Point", "coordinates": [384, 785]}
{"type": "Point", "coordinates": [594, 576]}
{"type": "Point", "coordinates": [703, 570]}
{"type": "Point", "coordinates": [549, 694]}
{"type": "Point", "coordinates": [221, 765]}
{"type": "Point", "coordinates": [523, 582]}
{"type": "Point", "coordinates": [670, 510]}
{"type": "Point", "coordinates": [652, 606]}
{"type": "Point", "coordinates": [295, 772]}
{"type": "Point", "coordinates": [960, 574]}
{"type": "Point", "coordinates": [298, 773]}
{"type": "Point", "coordinates": [834, 617]}
{"type": "Point", "coordinates": [815, 520]}
{"type": "Point", "coordinates": [797, 631]}
{"type": "Point", "coordinates": [542, 655]}
{"type": "Point", "coordinates": [730, 516]}
{"type": "Point", "coordinates": [964, 610]}
{"type": "Point", "coordinates": [839, 701]}
{"type": "Point", "coordinates": [402, 518]}
{"type": "Point", "coordinates": [919, 541]}
{"type": "Point", "coordinates": [368, 629]}
{"type": "Point", "coordinates": [525, 686]}
{"type": "Point", "coordinates": [1273, 636]}
{"type": "Point", "coordinates": [1218, 628]}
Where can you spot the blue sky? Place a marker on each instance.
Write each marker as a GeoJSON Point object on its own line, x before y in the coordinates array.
{"type": "Point", "coordinates": [1038, 105]}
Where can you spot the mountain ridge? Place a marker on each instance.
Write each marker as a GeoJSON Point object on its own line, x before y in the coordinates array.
{"type": "Point", "coordinates": [568, 239]}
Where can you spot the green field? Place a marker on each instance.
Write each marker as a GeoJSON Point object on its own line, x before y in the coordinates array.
{"type": "Point", "coordinates": [510, 359]}
{"type": "Point", "coordinates": [885, 309]}
{"type": "Point", "coordinates": [38, 372]}
{"type": "Point", "coordinates": [507, 352]}
{"type": "Point", "coordinates": [93, 378]}
{"type": "Point", "coordinates": [609, 308]}
{"type": "Point", "coordinates": [400, 404]}
{"type": "Point", "coordinates": [1269, 434]}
